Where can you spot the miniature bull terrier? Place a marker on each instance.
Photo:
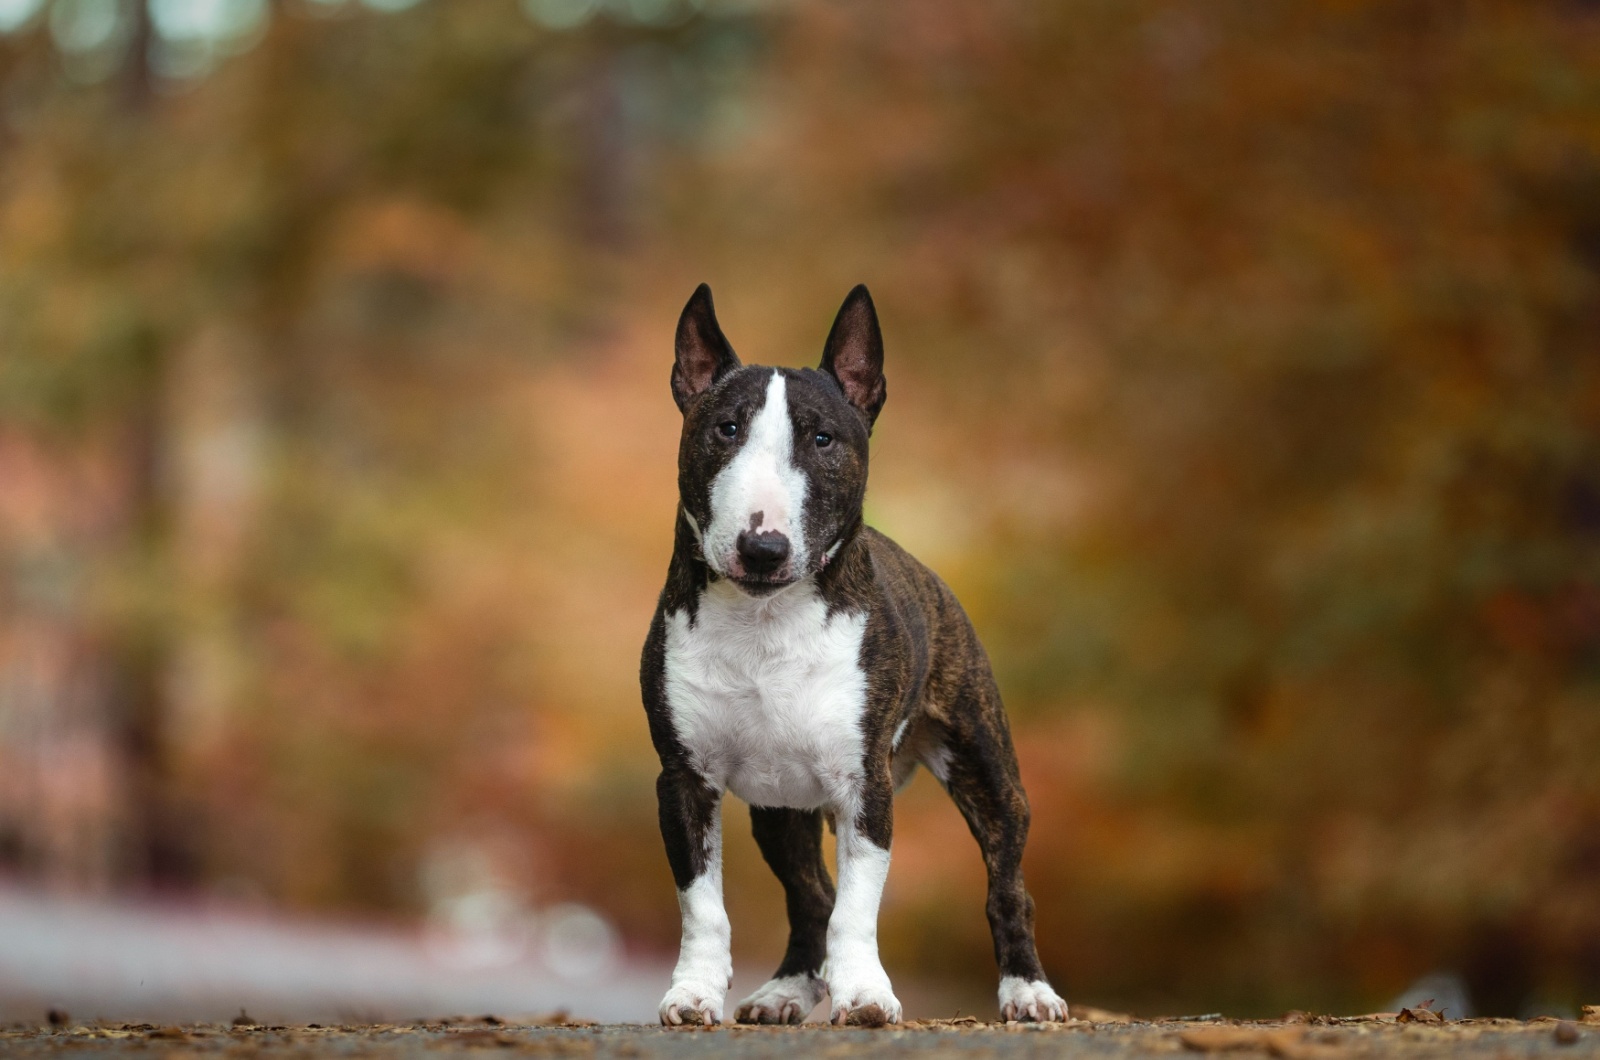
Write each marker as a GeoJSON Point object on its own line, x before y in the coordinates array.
{"type": "Point", "coordinates": [806, 663]}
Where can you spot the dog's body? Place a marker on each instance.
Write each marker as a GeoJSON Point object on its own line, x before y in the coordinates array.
{"type": "Point", "coordinates": [806, 663]}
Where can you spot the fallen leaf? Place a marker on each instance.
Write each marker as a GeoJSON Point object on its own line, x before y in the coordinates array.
{"type": "Point", "coordinates": [959, 1021]}
{"type": "Point", "coordinates": [562, 1018]}
{"type": "Point", "coordinates": [1099, 1015]}
{"type": "Point", "coordinates": [551, 1019]}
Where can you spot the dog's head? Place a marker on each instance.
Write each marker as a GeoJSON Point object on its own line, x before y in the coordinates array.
{"type": "Point", "coordinates": [772, 466]}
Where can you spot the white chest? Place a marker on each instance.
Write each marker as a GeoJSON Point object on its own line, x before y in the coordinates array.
{"type": "Point", "coordinates": [767, 696]}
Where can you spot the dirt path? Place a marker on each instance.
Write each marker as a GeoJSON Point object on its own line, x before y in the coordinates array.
{"type": "Point", "coordinates": [1322, 1038]}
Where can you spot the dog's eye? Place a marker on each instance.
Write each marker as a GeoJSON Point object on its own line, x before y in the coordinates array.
{"type": "Point", "coordinates": [824, 439]}
{"type": "Point", "coordinates": [728, 429]}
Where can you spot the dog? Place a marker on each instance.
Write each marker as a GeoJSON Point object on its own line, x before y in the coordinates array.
{"type": "Point", "coordinates": [806, 663]}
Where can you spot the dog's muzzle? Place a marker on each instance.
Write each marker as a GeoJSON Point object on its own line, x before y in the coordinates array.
{"type": "Point", "coordinates": [762, 555]}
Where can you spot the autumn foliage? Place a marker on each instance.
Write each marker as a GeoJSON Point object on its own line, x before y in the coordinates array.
{"type": "Point", "coordinates": [1243, 382]}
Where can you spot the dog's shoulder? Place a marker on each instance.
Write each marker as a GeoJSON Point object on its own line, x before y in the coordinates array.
{"type": "Point", "coordinates": [918, 628]}
{"type": "Point", "coordinates": [902, 582]}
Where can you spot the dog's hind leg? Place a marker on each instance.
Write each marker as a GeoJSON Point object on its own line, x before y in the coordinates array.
{"type": "Point", "coordinates": [791, 841]}
{"type": "Point", "coordinates": [977, 765]}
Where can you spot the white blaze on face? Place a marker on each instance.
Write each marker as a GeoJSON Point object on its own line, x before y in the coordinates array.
{"type": "Point", "coordinates": [761, 479]}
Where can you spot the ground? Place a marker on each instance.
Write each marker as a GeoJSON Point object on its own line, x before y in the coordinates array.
{"type": "Point", "coordinates": [1298, 1038]}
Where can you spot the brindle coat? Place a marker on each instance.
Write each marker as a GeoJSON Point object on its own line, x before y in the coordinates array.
{"type": "Point", "coordinates": [931, 696]}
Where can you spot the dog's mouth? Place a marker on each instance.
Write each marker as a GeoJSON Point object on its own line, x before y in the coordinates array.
{"type": "Point", "coordinates": [763, 584]}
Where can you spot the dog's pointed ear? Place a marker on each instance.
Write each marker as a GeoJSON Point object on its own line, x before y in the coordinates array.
{"type": "Point", "coordinates": [854, 354]}
{"type": "Point", "coordinates": [702, 352]}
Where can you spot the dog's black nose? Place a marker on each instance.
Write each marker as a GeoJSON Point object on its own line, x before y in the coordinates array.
{"type": "Point", "coordinates": [763, 553]}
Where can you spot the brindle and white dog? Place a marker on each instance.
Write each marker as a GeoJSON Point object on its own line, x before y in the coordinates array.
{"type": "Point", "coordinates": [804, 662]}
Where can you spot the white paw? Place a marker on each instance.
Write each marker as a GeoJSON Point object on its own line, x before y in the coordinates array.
{"type": "Point", "coordinates": [691, 1002]}
{"type": "Point", "coordinates": [1032, 1001]}
{"type": "Point", "coordinates": [786, 1000]}
{"type": "Point", "coordinates": [862, 995]}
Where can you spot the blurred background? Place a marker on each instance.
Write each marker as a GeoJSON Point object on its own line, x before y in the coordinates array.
{"type": "Point", "coordinates": [1244, 384]}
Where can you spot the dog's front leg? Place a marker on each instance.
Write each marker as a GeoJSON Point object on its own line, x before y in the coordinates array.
{"type": "Point", "coordinates": [856, 980]}
{"type": "Point", "coordinates": [691, 825]}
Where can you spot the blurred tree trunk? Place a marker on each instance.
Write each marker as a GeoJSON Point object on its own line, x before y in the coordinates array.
{"type": "Point", "coordinates": [157, 846]}
{"type": "Point", "coordinates": [136, 87]}
{"type": "Point", "coordinates": [604, 155]}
